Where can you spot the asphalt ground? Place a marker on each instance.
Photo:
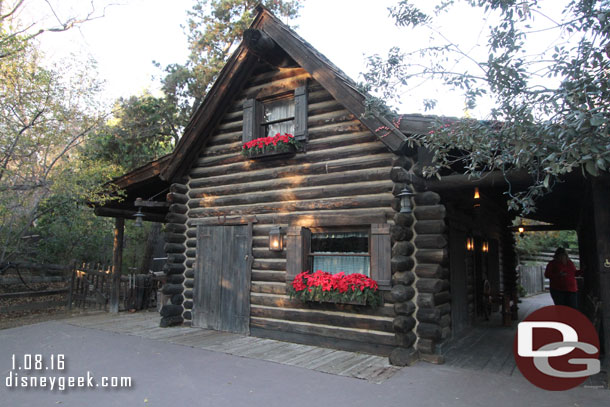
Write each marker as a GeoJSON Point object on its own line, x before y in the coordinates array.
{"type": "Point", "coordinates": [165, 374]}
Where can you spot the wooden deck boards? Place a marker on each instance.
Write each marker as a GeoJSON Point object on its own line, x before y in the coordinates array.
{"type": "Point", "coordinates": [375, 369]}
{"type": "Point", "coordinates": [488, 346]}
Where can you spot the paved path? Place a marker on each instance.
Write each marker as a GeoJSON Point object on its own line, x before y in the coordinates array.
{"type": "Point", "coordinates": [146, 325]}
{"type": "Point", "coordinates": [167, 374]}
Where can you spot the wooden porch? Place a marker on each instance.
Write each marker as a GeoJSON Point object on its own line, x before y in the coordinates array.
{"type": "Point", "coordinates": [145, 325]}
{"type": "Point", "coordinates": [488, 347]}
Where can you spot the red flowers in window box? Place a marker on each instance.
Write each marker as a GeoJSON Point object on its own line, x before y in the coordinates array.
{"type": "Point", "coordinates": [337, 288]}
{"type": "Point", "coordinates": [280, 144]}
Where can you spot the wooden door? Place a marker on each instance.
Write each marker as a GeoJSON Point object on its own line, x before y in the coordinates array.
{"type": "Point", "coordinates": [222, 278]}
{"type": "Point", "coordinates": [458, 280]}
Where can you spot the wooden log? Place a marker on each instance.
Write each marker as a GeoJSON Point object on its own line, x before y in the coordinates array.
{"type": "Point", "coordinates": [294, 194]}
{"type": "Point", "coordinates": [175, 218]}
{"type": "Point", "coordinates": [402, 248]}
{"type": "Point", "coordinates": [425, 300]}
{"type": "Point", "coordinates": [189, 283]}
{"type": "Point", "coordinates": [171, 321]}
{"type": "Point", "coordinates": [190, 273]}
{"type": "Point", "coordinates": [403, 356]}
{"type": "Point", "coordinates": [430, 227]}
{"type": "Point", "coordinates": [178, 208]}
{"type": "Point", "coordinates": [188, 294]}
{"type": "Point", "coordinates": [176, 198]}
{"type": "Point", "coordinates": [401, 175]}
{"type": "Point", "coordinates": [187, 304]}
{"type": "Point", "coordinates": [288, 181]}
{"type": "Point", "coordinates": [403, 277]}
{"type": "Point", "coordinates": [178, 188]}
{"type": "Point", "coordinates": [445, 321]}
{"type": "Point", "coordinates": [430, 212]}
{"type": "Point", "coordinates": [345, 165]}
{"type": "Point", "coordinates": [170, 310]}
{"type": "Point", "coordinates": [429, 285]}
{"type": "Point", "coordinates": [172, 268]}
{"type": "Point", "coordinates": [177, 299]}
{"type": "Point", "coordinates": [395, 204]}
{"type": "Point", "coordinates": [349, 202]}
{"type": "Point", "coordinates": [191, 253]}
{"type": "Point", "coordinates": [403, 219]}
{"type": "Point", "coordinates": [175, 237]}
{"type": "Point", "coordinates": [176, 258]}
{"type": "Point", "coordinates": [444, 308]}
{"type": "Point", "coordinates": [169, 289]}
{"type": "Point", "coordinates": [427, 198]}
{"type": "Point", "coordinates": [174, 248]}
{"type": "Point", "coordinates": [429, 331]}
{"type": "Point", "coordinates": [430, 241]}
{"type": "Point", "coordinates": [268, 275]}
{"type": "Point", "coordinates": [406, 339]}
{"type": "Point", "coordinates": [401, 293]}
{"type": "Point", "coordinates": [175, 279]}
{"type": "Point", "coordinates": [404, 308]}
{"type": "Point", "coordinates": [432, 256]}
{"type": "Point", "coordinates": [432, 315]}
{"type": "Point", "coordinates": [175, 228]}
{"type": "Point", "coordinates": [442, 298]}
{"type": "Point", "coordinates": [401, 233]}
{"type": "Point", "coordinates": [426, 346]}
{"type": "Point", "coordinates": [323, 317]}
{"type": "Point", "coordinates": [402, 263]}
{"type": "Point", "coordinates": [187, 315]}
{"type": "Point", "coordinates": [403, 323]}
{"type": "Point", "coordinates": [429, 271]}
{"type": "Point", "coordinates": [189, 263]}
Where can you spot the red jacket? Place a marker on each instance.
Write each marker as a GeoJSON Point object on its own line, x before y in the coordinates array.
{"type": "Point", "coordinates": [562, 276]}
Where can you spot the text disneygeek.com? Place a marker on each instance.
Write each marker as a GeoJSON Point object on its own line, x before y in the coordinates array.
{"type": "Point", "coordinates": [26, 373]}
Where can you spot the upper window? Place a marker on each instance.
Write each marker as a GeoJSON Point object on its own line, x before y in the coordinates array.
{"type": "Point", "coordinates": [284, 113]}
{"type": "Point", "coordinates": [278, 117]}
{"type": "Point", "coordinates": [334, 251]}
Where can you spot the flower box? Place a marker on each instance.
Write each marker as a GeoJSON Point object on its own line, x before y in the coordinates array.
{"type": "Point", "coordinates": [340, 288]}
{"type": "Point", "coordinates": [264, 148]}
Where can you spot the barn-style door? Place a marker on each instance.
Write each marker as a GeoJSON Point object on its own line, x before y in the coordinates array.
{"type": "Point", "coordinates": [222, 278]}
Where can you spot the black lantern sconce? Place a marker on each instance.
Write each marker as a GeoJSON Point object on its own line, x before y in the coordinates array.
{"type": "Point", "coordinates": [521, 231]}
{"type": "Point", "coordinates": [405, 200]}
{"type": "Point", "coordinates": [139, 216]}
{"type": "Point", "coordinates": [276, 243]}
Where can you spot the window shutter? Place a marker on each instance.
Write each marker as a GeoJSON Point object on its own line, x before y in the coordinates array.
{"type": "Point", "coordinates": [300, 114]}
{"type": "Point", "coordinates": [251, 120]}
{"type": "Point", "coordinates": [297, 248]}
{"type": "Point", "coordinates": [381, 253]}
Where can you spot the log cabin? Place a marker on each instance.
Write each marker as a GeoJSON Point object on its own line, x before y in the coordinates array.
{"type": "Point", "coordinates": [441, 251]}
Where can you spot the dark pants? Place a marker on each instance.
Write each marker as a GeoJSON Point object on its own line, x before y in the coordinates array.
{"type": "Point", "coordinates": [567, 298]}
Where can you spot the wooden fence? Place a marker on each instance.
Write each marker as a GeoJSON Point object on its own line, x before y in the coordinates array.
{"type": "Point", "coordinates": [532, 279]}
{"type": "Point", "coordinates": [91, 285]}
{"type": "Point", "coordinates": [26, 287]}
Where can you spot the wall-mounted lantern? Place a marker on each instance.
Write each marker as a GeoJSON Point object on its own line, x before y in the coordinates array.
{"type": "Point", "coordinates": [405, 200]}
{"type": "Point", "coordinates": [477, 198]}
{"type": "Point", "coordinates": [276, 243]}
{"type": "Point", "coordinates": [485, 246]}
{"type": "Point", "coordinates": [139, 216]}
{"type": "Point", "coordinates": [470, 244]}
{"type": "Point", "coordinates": [521, 231]}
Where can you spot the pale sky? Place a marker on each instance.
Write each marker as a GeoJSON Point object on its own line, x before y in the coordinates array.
{"type": "Point", "coordinates": [130, 36]}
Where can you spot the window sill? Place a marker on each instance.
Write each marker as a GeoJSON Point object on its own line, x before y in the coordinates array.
{"type": "Point", "coordinates": [284, 152]}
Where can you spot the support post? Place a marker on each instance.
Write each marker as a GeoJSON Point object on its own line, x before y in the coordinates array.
{"type": "Point", "coordinates": [601, 220]}
{"type": "Point", "coordinates": [117, 260]}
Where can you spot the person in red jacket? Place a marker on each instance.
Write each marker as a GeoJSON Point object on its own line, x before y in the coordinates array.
{"type": "Point", "coordinates": [562, 273]}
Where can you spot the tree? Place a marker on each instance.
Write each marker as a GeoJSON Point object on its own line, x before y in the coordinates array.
{"type": "Point", "coordinates": [215, 27]}
{"type": "Point", "coordinates": [142, 128]}
{"type": "Point", "coordinates": [550, 112]}
{"type": "Point", "coordinates": [46, 114]}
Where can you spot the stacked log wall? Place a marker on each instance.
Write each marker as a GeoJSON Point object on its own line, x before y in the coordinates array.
{"type": "Point", "coordinates": [345, 172]}
{"type": "Point", "coordinates": [179, 281]}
